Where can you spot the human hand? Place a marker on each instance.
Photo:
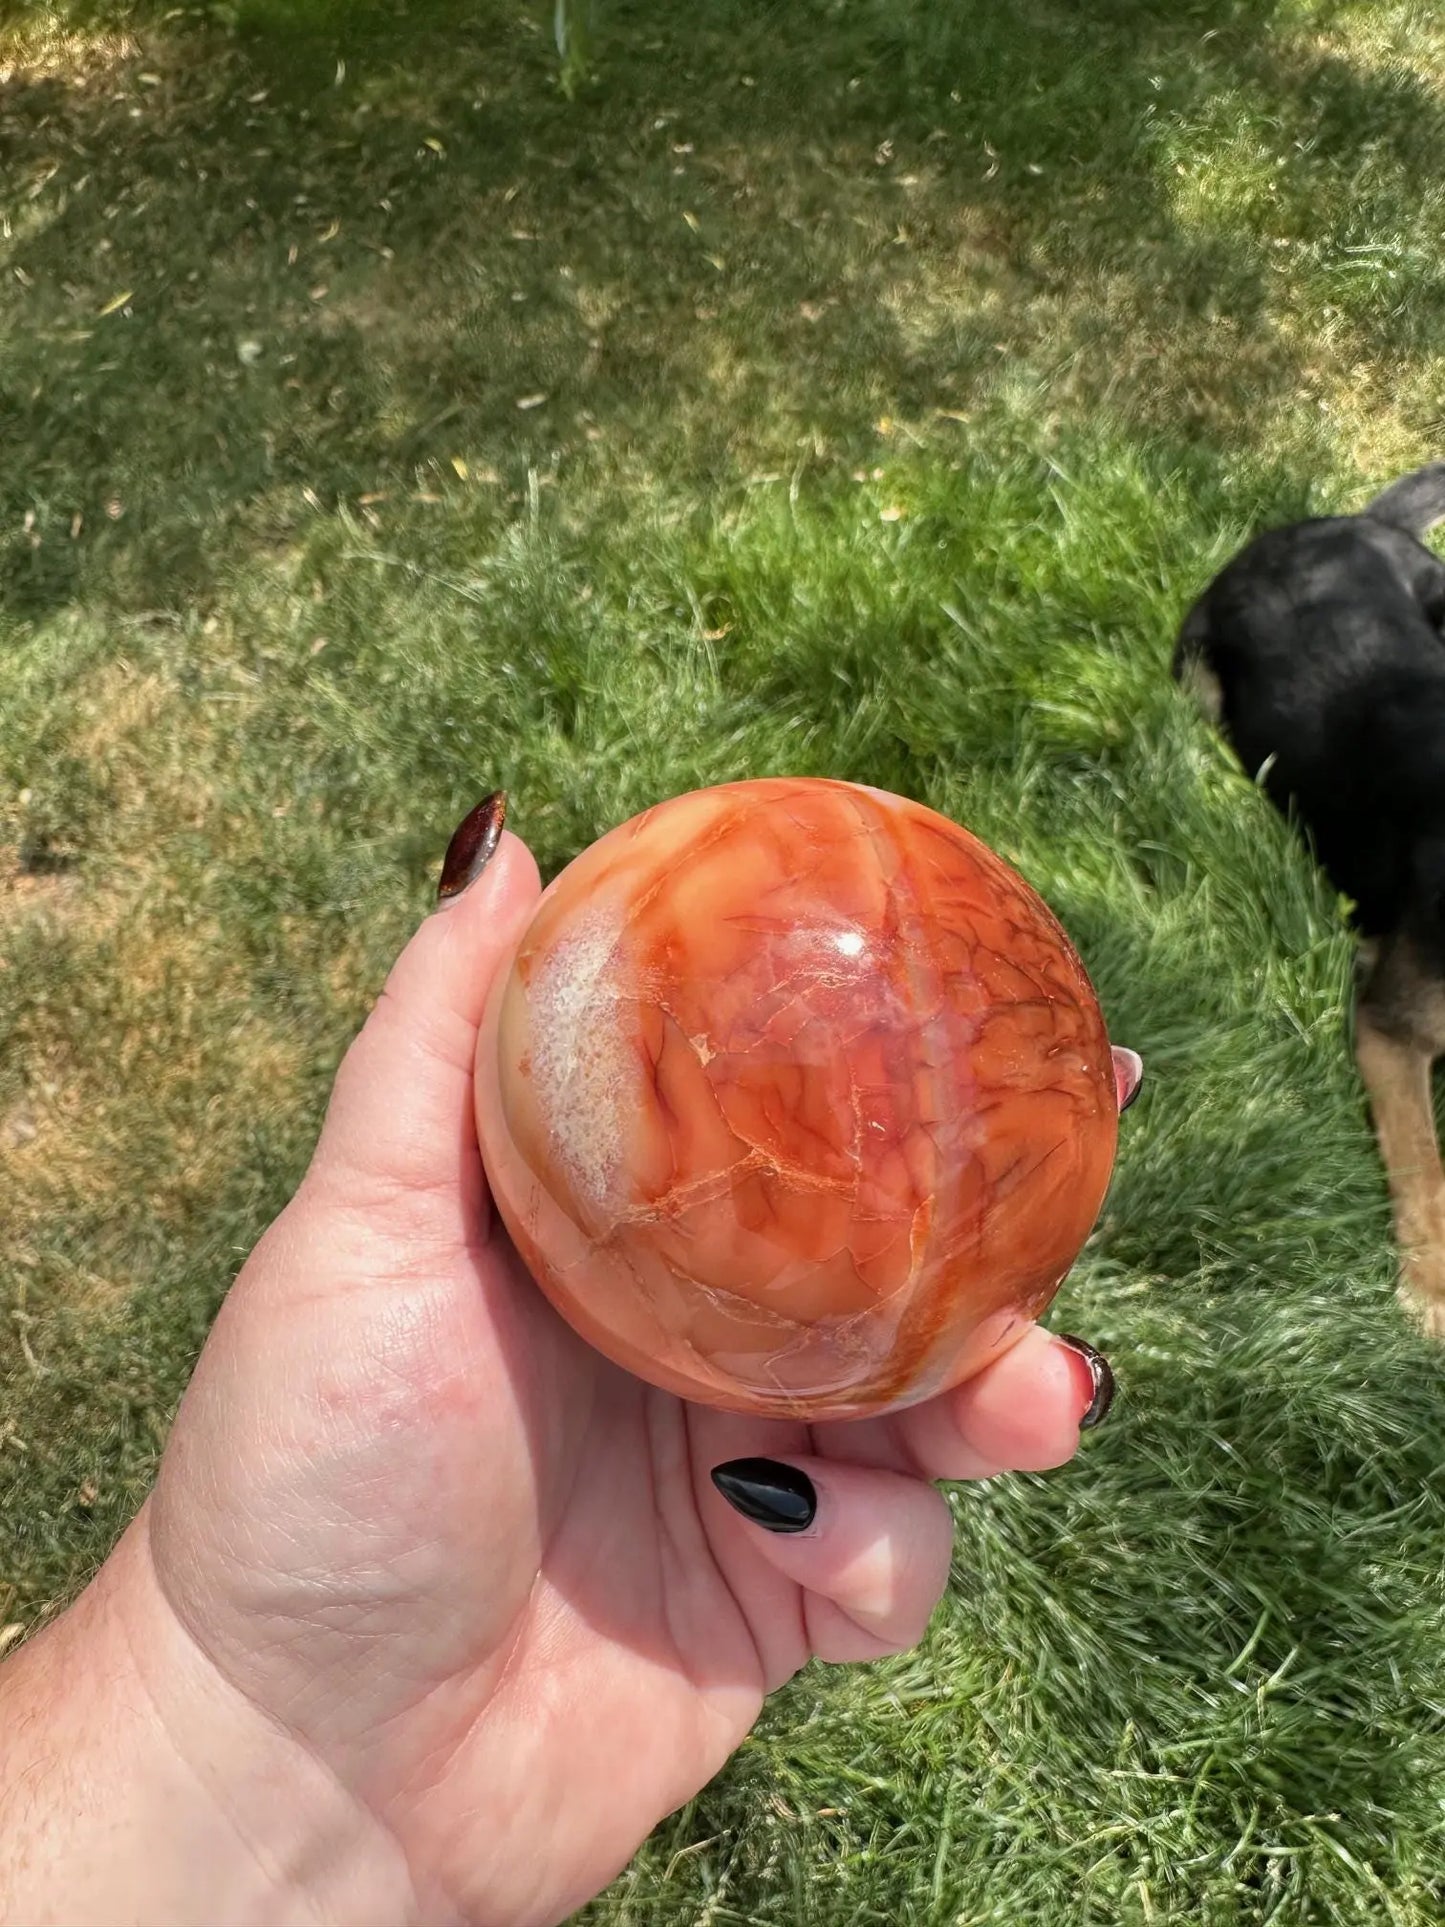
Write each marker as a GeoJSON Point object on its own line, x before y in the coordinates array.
{"type": "Point", "coordinates": [423, 1565]}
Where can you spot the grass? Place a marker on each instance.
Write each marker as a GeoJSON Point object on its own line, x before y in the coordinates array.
{"type": "Point", "coordinates": [840, 387]}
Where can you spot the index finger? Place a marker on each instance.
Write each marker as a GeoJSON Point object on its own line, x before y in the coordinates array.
{"type": "Point", "coordinates": [1023, 1413]}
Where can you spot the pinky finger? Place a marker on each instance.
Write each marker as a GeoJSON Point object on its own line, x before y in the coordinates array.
{"type": "Point", "coordinates": [870, 1549]}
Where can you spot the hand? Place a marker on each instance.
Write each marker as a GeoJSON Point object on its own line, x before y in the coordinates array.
{"type": "Point", "coordinates": [434, 1613]}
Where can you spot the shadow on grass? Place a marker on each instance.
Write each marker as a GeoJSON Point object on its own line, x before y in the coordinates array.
{"type": "Point", "coordinates": [381, 264]}
{"type": "Point", "coordinates": [371, 254]}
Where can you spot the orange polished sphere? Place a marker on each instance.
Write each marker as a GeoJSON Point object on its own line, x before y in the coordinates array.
{"type": "Point", "coordinates": [796, 1099]}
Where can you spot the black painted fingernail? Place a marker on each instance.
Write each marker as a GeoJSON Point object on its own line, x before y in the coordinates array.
{"type": "Point", "coordinates": [777, 1497]}
{"type": "Point", "coordinates": [472, 846]}
{"type": "Point", "coordinates": [1128, 1076]}
{"type": "Point", "coordinates": [1100, 1387]}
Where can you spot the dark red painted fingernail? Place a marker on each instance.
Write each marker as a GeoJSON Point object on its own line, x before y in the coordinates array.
{"type": "Point", "coordinates": [473, 846]}
{"type": "Point", "coordinates": [1096, 1381]}
{"type": "Point", "coordinates": [1128, 1076]}
{"type": "Point", "coordinates": [775, 1496]}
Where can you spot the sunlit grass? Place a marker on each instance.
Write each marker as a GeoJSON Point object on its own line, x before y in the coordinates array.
{"type": "Point", "coordinates": [852, 388]}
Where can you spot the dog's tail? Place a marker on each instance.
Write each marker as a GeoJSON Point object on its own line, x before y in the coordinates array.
{"type": "Point", "coordinates": [1414, 503]}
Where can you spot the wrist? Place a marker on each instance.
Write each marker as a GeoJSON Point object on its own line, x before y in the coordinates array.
{"type": "Point", "coordinates": [137, 1785]}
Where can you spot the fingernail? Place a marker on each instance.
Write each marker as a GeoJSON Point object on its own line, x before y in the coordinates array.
{"type": "Point", "coordinates": [777, 1497]}
{"type": "Point", "coordinates": [1096, 1381]}
{"type": "Point", "coordinates": [472, 846]}
{"type": "Point", "coordinates": [1128, 1076]}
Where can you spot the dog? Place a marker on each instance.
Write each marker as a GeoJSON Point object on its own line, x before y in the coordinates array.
{"type": "Point", "coordinates": [1319, 653]}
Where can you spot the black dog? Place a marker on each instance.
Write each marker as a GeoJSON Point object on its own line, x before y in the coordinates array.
{"type": "Point", "coordinates": [1320, 653]}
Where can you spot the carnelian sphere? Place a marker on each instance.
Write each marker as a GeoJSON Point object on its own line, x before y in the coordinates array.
{"type": "Point", "coordinates": [796, 1099]}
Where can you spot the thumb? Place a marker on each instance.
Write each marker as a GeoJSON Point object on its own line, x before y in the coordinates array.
{"type": "Point", "coordinates": [400, 1122]}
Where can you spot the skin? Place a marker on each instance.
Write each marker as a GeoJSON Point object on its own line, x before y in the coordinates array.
{"type": "Point", "coordinates": [433, 1613]}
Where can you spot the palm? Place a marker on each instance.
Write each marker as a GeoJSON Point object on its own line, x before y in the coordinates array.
{"type": "Point", "coordinates": [487, 1566]}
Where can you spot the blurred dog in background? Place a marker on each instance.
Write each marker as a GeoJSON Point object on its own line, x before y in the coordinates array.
{"type": "Point", "coordinates": [1319, 653]}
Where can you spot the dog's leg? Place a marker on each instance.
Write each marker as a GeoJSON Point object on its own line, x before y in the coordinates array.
{"type": "Point", "coordinates": [1396, 1075]}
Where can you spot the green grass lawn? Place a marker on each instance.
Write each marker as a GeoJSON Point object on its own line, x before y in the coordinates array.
{"type": "Point", "coordinates": [858, 387]}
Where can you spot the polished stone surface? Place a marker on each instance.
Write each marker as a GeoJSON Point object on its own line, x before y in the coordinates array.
{"type": "Point", "coordinates": [796, 1099]}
